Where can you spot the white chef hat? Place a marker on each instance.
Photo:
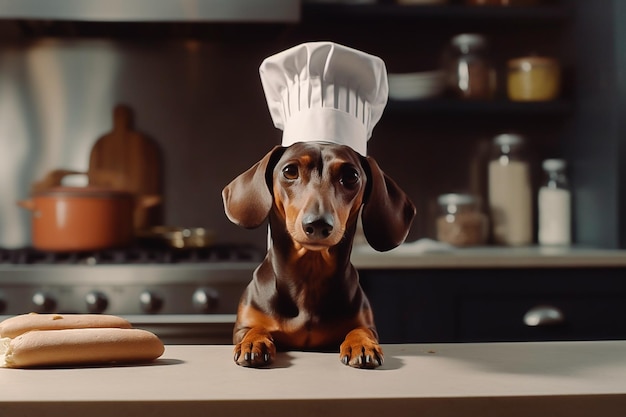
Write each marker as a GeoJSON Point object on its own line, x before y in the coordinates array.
{"type": "Point", "coordinates": [323, 91]}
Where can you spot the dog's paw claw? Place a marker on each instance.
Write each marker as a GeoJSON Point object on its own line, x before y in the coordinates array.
{"type": "Point", "coordinates": [362, 360]}
{"type": "Point", "coordinates": [255, 354]}
{"type": "Point", "coordinates": [361, 352]}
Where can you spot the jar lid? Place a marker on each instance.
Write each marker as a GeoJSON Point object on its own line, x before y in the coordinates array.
{"type": "Point", "coordinates": [553, 164]}
{"type": "Point", "coordinates": [469, 39]}
{"type": "Point", "coordinates": [526, 62]}
{"type": "Point", "coordinates": [456, 199]}
{"type": "Point", "coordinates": [509, 139]}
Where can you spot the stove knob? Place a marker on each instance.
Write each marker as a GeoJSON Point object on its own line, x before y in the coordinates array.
{"type": "Point", "coordinates": [96, 301]}
{"type": "Point", "coordinates": [150, 302]}
{"type": "Point", "coordinates": [205, 299]}
{"type": "Point", "coordinates": [44, 302]}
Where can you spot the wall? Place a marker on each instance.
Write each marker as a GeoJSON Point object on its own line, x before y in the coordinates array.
{"type": "Point", "coordinates": [202, 102]}
{"type": "Point", "coordinates": [596, 141]}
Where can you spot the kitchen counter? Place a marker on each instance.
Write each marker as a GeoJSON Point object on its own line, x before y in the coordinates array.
{"type": "Point", "coordinates": [428, 254]}
{"type": "Point", "coordinates": [498, 379]}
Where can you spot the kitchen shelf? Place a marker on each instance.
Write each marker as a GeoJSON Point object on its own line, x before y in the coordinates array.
{"type": "Point", "coordinates": [496, 107]}
{"type": "Point", "coordinates": [324, 12]}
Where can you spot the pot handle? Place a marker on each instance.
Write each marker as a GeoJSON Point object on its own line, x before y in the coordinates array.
{"type": "Point", "coordinates": [150, 200]}
{"type": "Point", "coordinates": [27, 204]}
{"type": "Point", "coordinates": [53, 179]}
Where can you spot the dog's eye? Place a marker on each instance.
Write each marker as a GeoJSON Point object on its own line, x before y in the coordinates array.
{"type": "Point", "coordinates": [290, 172]}
{"type": "Point", "coordinates": [349, 176]}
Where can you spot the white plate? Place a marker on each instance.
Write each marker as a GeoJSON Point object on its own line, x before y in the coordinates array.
{"type": "Point", "coordinates": [416, 85]}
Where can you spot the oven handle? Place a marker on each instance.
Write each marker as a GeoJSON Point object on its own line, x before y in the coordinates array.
{"type": "Point", "coordinates": [173, 319]}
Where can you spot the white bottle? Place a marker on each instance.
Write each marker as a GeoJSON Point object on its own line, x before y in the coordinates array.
{"type": "Point", "coordinates": [554, 204]}
{"type": "Point", "coordinates": [510, 192]}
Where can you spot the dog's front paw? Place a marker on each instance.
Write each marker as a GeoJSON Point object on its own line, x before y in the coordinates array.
{"type": "Point", "coordinates": [360, 349]}
{"type": "Point", "coordinates": [255, 350]}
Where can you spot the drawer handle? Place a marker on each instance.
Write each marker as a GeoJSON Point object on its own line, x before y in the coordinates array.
{"type": "Point", "coordinates": [544, 315]}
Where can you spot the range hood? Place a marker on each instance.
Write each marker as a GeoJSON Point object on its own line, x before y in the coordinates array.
{"type": "Point", "coordinates": [256, 11]}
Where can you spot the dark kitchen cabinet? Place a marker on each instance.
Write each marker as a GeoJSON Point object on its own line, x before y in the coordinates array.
{"type": "Point", "coordinates": [491, 305]}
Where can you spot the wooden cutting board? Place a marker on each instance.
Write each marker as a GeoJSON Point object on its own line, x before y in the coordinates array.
{"type": "Point", "coordinates": [128, 160]}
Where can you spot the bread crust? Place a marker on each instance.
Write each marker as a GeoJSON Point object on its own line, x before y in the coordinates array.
{"type": "Point", "coordinates": [17, 325]}
{"type": "Point", "coordinates": [39, 348]}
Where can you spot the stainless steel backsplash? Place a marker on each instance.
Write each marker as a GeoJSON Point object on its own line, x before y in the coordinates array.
{"type": "Point", "coordinates": [201, 102]}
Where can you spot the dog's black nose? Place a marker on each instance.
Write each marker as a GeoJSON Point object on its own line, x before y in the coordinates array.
{"type": "Point", "coordinates": [317, 227]}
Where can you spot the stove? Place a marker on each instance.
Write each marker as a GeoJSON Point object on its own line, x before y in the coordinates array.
{"type": "Point", "coordinates": [185, 296]}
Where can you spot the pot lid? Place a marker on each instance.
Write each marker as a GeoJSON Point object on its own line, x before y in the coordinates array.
{"type": "Point", "coordinates": [527, 62]}
{"type": "Point", "coordinates": [88, 192]}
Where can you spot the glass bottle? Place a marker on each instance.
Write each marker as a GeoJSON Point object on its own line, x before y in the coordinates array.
{"type": "Point", "coordinates": [554, 205]}
{"type": "Point", "coordinates": [471, 74]}
{"type": "Point", "coordinates": [460, 221]}
{"type": "Point", "coordinates": [510, 191]}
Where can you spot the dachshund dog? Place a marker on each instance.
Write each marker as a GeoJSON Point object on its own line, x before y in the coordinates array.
{"type": "Point", "coordinates": [306, 295]}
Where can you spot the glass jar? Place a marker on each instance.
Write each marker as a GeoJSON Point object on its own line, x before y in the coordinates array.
{"type": "Point", "coordinates": [554, 205]}
{"type": "Point", "coordinates": [470, 72]}
{"type": "Point", "coordinates": [460, 221]}
{"type": "Point", "coordinates": [510, 191]}
{"type": "Point", "coordinates": [533, 78]}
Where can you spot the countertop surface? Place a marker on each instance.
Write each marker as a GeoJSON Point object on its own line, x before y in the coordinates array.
{"type": "Point", "coordinates": [494, 379]}
{"type": "Point", "coordinates": [430, 254]}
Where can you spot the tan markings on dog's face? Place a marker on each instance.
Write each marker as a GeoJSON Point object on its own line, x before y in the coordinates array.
{"type": "Point", "coordinates": [318, 188]}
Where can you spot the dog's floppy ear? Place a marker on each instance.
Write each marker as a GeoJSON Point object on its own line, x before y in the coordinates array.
{"type": "Point", "coordinates": [388, 212]}
{"type": "Point", "coordinates": [248, 198]}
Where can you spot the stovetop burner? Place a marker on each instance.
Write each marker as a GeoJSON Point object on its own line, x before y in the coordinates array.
{"type": "Point", "coordinates": [181, 286]}
{"type": "Point", "coordinates": [133, 255]}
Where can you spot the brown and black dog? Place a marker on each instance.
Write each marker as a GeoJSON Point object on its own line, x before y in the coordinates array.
{"type": "Point", "coordinates": [306, 293]}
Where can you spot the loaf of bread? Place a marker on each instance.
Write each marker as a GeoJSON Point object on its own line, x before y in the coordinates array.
{"type": "Point", "coordinates": [81, 347]}
{"type": "Point", "coordinates": [38, 340]}
{"type": "Point", "coordinates": [17, 325]}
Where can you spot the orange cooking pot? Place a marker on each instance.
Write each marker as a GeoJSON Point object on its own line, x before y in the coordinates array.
{"type": "Point", "coordinates": [82, 218]}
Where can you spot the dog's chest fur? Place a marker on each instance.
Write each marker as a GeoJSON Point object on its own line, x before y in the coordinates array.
{"type": "Point", "coordinates": [307, 300]}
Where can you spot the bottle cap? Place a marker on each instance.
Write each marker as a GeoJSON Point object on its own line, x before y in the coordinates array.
{"type": "Point", "coordinates": [469, 40]}
{"type": "Point", "coordinates": [554, 164]}
{"type": "Point", "coordinates": [456, 199]}
{"type": "Point", "coordinates": [509, 139]}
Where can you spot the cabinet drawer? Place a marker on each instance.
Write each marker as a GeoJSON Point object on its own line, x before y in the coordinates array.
{"type": "Point", "coordinates": [509, 318]}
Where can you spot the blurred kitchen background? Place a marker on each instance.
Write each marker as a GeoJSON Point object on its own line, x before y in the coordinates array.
{"type": "Point", "coordinates": [188, 73]}
{"type": "Point", "coordinates": [194, 89]}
